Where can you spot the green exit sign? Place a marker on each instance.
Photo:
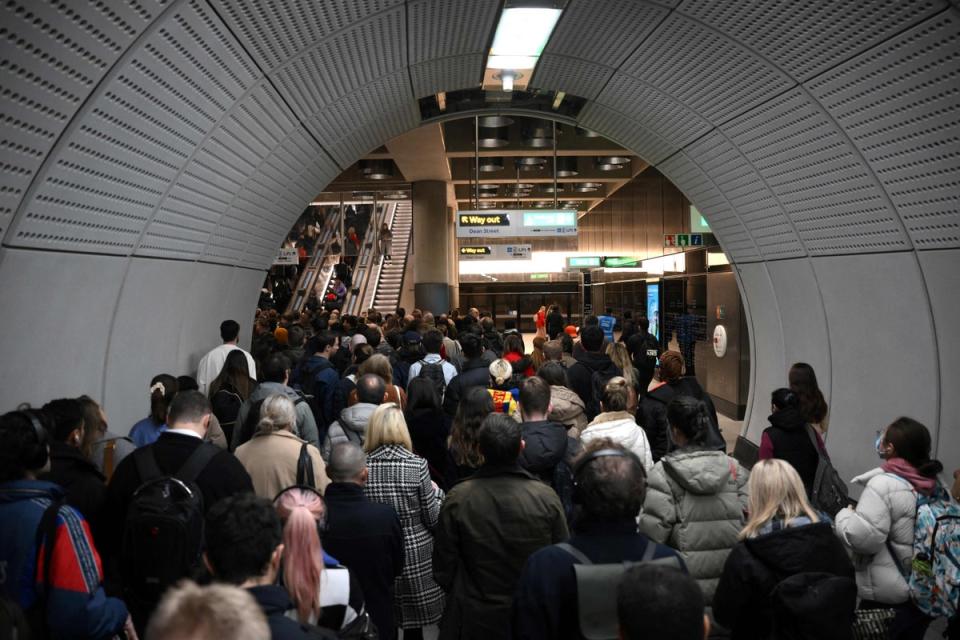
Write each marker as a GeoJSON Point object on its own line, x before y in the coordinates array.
{"type": "Point", "coordinates": [539, 276]}
{"type": "Point", "coordinates": [583, 261]}
{"type": "Point", "coordinates": [621, 262]}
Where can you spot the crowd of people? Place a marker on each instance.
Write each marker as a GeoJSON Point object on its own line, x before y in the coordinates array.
{"type": "Point", "coordinates": [372, 476]}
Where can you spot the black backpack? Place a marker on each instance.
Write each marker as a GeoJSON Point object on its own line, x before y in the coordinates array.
{"type": "Point", "coordinates": [433, 371]}
{"type": "Point", "coordinates": [226, 407]}
{"type": "Point", "coordinates": [800, 601]}
{"type": "Point", "coordinates": [163, 530]}
{"type": "Point", "coordinates": [598, 381]}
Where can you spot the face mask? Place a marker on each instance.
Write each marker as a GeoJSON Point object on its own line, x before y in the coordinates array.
{"type": "Point", "coordinates": [878, 444]}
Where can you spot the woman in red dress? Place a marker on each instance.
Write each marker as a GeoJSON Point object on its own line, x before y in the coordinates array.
{"type": "Point", "coordinates": [541, 321]}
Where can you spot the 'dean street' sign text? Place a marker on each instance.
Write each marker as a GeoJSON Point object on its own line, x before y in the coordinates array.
{"type": "Point", "coordinates": [496, 252]}
{"type": "Point", "coordinates": [516, 223]}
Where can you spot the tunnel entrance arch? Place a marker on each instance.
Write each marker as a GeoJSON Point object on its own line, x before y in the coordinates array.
{"type": "Point", "coordinates": [158, 151]}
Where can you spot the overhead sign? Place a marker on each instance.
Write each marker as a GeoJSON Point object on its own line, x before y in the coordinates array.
{"type": "Point", "coordinates": [688, 239]}
{"type": "Point", "coordinates": [287, 255]}
{"type": "Point", "coordinates": [497, 252]}
{"type": "Point", "coordinates": [516, 223]}
{"type": "Point", "coordinates": [621, 262]}
{"type": "Point", "coordinates": [583, 262]}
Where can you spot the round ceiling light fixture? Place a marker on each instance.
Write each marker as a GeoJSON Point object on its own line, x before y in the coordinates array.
{"type": "Point", "coordinates": [378, 170]}
{"type": "Point", "coordinates": [612, 163]}
{"type": "Point", "coordinates": [531, 163]}
{"type": "Point", "coordinates": [495, 122]}
{"type": "Point", "coordinates": [538, 133]}
{"type": "Point", "coordinates": [567, 167]}
{"type": "Point", "coordinates": [491, 165]}
{"type": "Point", "coordinates": [587, 187]}
{"type": "Point", "coordinates": [549, 188]}
{"type": "Point", "coordinates": [586, 133]}
{"type": "Point", "coordinates": [493, 138]}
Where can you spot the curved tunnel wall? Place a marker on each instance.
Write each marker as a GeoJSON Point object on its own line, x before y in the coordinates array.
{"type": "Point", "coordinates": [155, 154]}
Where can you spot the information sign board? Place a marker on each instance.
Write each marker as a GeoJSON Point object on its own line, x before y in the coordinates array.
{"type": "Point", "coordinates": [516, 223]}
{"type": "Point", "coordinates": [287, 255]}
{"type": "Point", "coordinates": [496, 252]}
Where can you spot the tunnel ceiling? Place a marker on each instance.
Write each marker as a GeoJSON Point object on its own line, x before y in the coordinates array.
{"type": "Point", "coordinates": [197, 130]}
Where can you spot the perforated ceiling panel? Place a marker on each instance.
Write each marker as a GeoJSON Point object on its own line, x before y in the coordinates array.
{"type": "Point", "coordinates": [748, 195]}
{"type": "Point", "coordinates": [447, 43]}
{"type": "Point", "coordinates": [587, 45]}
{"type": "Point", "coordinates": [626, 132]}
{"type": "Point", "coordinates": [898, 102]}
{"type": "Point", "coordinates": [654, 109]}
{"type": "Point", "coordinates": [706, 71]}
{"type": "Point", "coordinates": [275, 32]}
{"type": "Point", "coordinates": [818, 176]}
{"type": "Point", "coordinates": [52, 55]}
{"type": "Point", "coordinates": [702, 190]}
{"type": "Point", "coordinates": [111, 171]}
{"type": "Point", "coordinates": [806, 37]}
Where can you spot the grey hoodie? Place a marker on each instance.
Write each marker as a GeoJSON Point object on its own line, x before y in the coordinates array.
{"type": "Point", "coordinates": [696, 501]}
{"type": "Point", "coordinates": [350, 427]}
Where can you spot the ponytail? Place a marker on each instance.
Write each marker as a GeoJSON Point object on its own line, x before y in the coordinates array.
{"type": "Point", "coordinates": [162, 389]}
{"type": "Point", "coordinates": [302, 554]}
{"type": "Point", "coordinates": [690, 417]}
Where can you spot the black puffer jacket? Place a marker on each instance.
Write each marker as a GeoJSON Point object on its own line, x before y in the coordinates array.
{"type": "Point", "coordinates": [791, 441]}
{"type": "Point", "coordinates": [545, 445]}
{"type": "Point", "coordinates": [756, 565]}
{"type": "Point", "coordinates": [476, 373]}
{"type": "Point", "coordinates": [83, 485]}
{"type": "Point", "coordinates": [652, 415]}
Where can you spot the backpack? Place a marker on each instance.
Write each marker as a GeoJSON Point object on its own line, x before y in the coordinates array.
{"type": "Point", "coordinates": [305, 477]}
{"type": "Point", "coordinates": [433, 371]}
{"type": "Point", "coordinates": [226, 407]}
{"type": "Point", "coordinates": [597, 589]}
{"type": "Point", "coordinates": [597, 382]}
{"type": "Point", "coordinates": [249, 426]}
{"type": "Point", "coordinates": [829, 492]}
{"type": "Point", "coordinates": [935, 579]}
{"type": "Point", "coordinates": [315, 392]}
{"type": "Point", "coordinates": [163, 530]}
{"type": "Point", "coordinates": [799, 601]}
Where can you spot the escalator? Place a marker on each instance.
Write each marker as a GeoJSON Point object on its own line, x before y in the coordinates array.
{"type": "Point", "coordinates": [384, 294]}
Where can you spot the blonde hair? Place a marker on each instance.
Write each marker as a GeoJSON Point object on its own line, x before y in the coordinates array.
{"type": "Point", "coordinates": [776, 490]}
{"type": "Point", "coordinates": [277, 414]}
{"type": "Point", "coordinates": [377, 364]}
{"type": "Point", "coordinates": [213, 611]}
{"type": "Point", "coordinates": [387, 426]}
{"type": "Point", "coordinates": [621, 357]}
{"type": "Point", "coordinates": [500, 370]}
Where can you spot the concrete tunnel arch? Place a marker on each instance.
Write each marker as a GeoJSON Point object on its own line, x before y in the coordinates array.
{"type": "Point", "coordinates": [156, 153]}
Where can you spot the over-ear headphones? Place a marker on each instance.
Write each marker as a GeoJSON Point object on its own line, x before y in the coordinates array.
{"type": "Point", "coordinates": [39, 458]}
{"type": "Point", "coordinates": [322, 523]}
{"type": "Point", "coordinates": [600, 453]}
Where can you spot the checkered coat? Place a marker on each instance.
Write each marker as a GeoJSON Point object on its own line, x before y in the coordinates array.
{"type": "Point", "coordinates": [400, 479]}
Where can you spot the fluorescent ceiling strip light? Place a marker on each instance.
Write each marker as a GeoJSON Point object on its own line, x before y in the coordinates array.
{"type": "Point", "coordinates": [512, 62]}
{"type": "Point", "coordinates": [524, 31]}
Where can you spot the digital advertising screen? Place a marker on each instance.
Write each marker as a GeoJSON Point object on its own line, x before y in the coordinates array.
{"type": "Point", "coordinates": [653, 307]}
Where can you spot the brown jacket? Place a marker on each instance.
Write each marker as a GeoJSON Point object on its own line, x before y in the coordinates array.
{"type": "Point", "coordinates": [271, 460]}
{"type": "Point", "coordinates": [568, 410]}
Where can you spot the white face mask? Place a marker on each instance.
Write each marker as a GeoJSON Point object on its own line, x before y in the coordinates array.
{"type": "Point", "coordinates": [878, 445]}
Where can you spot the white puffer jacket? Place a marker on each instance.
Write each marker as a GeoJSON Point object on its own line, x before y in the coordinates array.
{"type": "Point", "coordinates": [886, 511]}
{"type": "Point", "coordinates": [622, 428]}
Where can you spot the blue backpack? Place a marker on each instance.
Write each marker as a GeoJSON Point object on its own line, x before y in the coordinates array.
{"type": "Point", "coordinates": [935, 577]}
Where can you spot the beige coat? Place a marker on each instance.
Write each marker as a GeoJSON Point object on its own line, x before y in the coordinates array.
{"type": "Point", "coordinates": [271, 460]}
{"type": "Point", "coordinates": [568, 410]}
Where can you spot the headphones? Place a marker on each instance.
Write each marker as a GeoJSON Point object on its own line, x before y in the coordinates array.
{"type": "Point", "coordinates": [601, 453]}
{"type": "Point", "coordinates": [39, 458]}
{"type": "Point", "coordinates": [322, 527]}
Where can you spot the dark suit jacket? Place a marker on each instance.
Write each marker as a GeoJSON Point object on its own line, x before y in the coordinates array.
{"type": "Point", "coordinates": [366, 537]}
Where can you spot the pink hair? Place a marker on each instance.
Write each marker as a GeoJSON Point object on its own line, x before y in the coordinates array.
{"type": "Point", "coordinates": [302, 556]}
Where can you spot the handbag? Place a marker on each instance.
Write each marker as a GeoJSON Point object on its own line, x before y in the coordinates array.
{"type": "Point", "coordinates": [305, 477]}
{"type": "Point", "coordinates": [872, 624]}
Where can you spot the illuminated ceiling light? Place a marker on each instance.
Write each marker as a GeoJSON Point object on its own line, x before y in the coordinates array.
{"type": "Point", "coordinates": [490, 187]}
{"type": "Point", "coordinates": [442, 101]}
{"type": "Point", "coordinates": [587, 187]}
{"type": "Point", "coordinates": [567, 167]}
{"type": "Point", "coordinates": [506, 80]}
{"type": "Point", "coordinates": [612, 163]}
{"type": "Point", "coordinates": [586, 133]}
{"type": "Point", "coordinates": [543, 204]}
{"type": "Point", "coordinates": [490, 165]}
{"type": "Point", "coordinates": [524, 31]}
{"type": "Point", "coordinates": [549, 188]}
{"type": "Point", "coordinates": [493, 122]}
{"type": "Point", "coordinates": [558, 99]}
{"type": "Point", "coordinates": [491, 138]}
